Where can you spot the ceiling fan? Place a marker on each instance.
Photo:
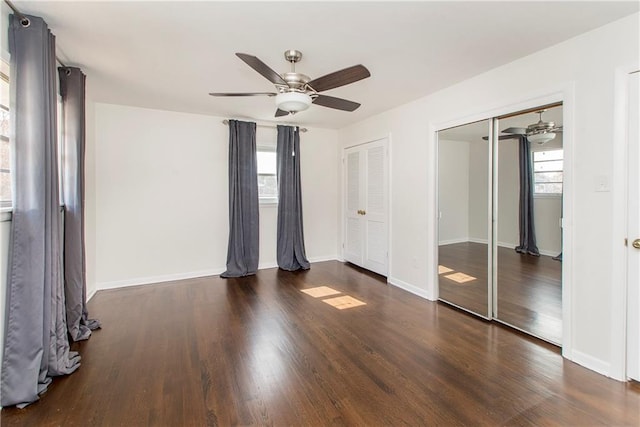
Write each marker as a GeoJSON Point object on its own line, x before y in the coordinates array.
{"type": "Point", "coordinates": [296, 91]}
{"type": "Point", "coordinates": [539, 133]}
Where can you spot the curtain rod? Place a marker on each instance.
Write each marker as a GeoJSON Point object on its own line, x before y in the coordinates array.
{"type": "Point", "coordinates": [226, 122]}
{"type": "Point", "coordinates": [26, 22]}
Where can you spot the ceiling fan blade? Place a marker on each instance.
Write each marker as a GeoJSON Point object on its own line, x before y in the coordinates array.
{"type": "Point", "coordinates": [337, 103]}
{"type": "Point", "coordinates": [340, 78]}
{"type": "Point", "coordinates": [244, 94]}
{"type": "Point", "coordinates": [516, 131]}
{"type": "Point", "coordinates": [262, 68]}
{"type": "Point", "coordinates": [280, 113]}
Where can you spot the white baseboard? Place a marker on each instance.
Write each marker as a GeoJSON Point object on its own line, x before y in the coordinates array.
{"type": "Point", "coordinates": [151, 280]}
{"type": "Point", "coordinates": [266, 265]}
{"type": "Point", "coordinates": [423, 293]}
{"type": "Point", "coordinates": [590, 362]}
{"type": "Point", "coordinates": [323, 258]}
{"type": "Point", "coordinates": [91, 294]}
{"type": "Point", "coordinates": [507, 245]}
{"type": "Point", "coordinates": [453, 241]}
{"type": "Point", "coordinates": [482, 241]}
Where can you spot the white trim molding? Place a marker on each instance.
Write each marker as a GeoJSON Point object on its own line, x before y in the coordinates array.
{"type": "Point", "coordinates": [565, 93]}
{"type": "Point", "coordinates": [619, 231]}
{"type": "Point", "coordinates": [153, 280]}
{"type": "Point", "coordinates": [421, 292]}
{"type": "Point", "coordinates": [590, 362]}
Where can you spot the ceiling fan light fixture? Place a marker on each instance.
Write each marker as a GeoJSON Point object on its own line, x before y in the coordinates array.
{"type": "Point", "coordinates": [541, 138]}
{"type": "Point", "coordinates": [293, 101]}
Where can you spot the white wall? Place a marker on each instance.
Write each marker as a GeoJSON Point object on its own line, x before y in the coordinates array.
{"type": "Point", "coordinates": [588, 116]}
{"type": "Point", "coordinates": [479, 184]}
{"type": "Point", "coordinates": [161, 196]}
{"type": "Point", "coordinates": [90, 196]}
{"type": "Point", "coordinates": [453, 181]}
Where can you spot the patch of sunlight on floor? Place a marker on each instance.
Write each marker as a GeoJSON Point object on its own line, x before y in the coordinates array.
{"type": "Point", "coordinates": [442, 269]}
{"type": "Point", "coordinates": [344, 302]}
{"type": "Point", "coordinates": [320, 291]}
{"type": "Point", "coordinates": [460, 277]}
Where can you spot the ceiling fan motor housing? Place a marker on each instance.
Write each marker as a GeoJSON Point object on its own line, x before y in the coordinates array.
{"type": "Point", "coordinates": [296, 82]}
{"type": "Point", "coordinates": [540, 127]}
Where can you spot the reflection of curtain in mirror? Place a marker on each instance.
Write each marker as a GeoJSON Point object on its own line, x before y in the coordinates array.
{"type": "Point", "coordinates": [527, 228]}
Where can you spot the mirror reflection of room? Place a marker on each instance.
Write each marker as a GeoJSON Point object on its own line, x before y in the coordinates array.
{"type": "Point", "coordinates": [530, 187]}
{"type": "Point", "coordinates": [463, 184]}
{"type": "Point", "coordinates": [526, 186]}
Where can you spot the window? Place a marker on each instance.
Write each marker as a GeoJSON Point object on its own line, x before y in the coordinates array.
{"type": "Point", "coordinates": [5, 149]}
{"type": "Point", "coordinates": [267, 181]}
{"type": "Point", "coordinates": [547, 172]}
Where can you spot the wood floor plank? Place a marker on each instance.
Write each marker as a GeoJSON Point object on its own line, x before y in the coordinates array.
{"type": "Point", "coordinates": [258, 351]}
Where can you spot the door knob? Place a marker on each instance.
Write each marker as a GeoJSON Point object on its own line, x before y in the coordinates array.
{"type": "Point", "coordinates": [636, 244]}
{"type": "Point", "coordinates": [364, 212]}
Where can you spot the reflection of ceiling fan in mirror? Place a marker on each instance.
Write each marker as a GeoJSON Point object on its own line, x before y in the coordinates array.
{"type": "Point", "coordinates": [296, 91]}
{"type": "Point", "coordinates": [539, 133]}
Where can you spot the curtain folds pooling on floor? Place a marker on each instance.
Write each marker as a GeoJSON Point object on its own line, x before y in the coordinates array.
{"type": "Point", "coordinates": [290, 246]}
{"type": "Point", "coordinates": [36, 343]}
{"type": "Point", "coordinates": [244, 230]}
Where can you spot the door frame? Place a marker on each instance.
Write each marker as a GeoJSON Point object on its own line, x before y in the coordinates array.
{"type": "Point", "coordinates": [387, 183]}
{"type": "Point", "coordinates": [566, 95]}
{"type": "Point", "coordinates": [619, 284]}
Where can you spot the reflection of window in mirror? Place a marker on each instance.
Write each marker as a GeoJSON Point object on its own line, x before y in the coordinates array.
{"type": "Point", "coordinates": [547, 172]}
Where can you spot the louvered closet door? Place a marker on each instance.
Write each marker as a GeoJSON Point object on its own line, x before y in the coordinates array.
{"type": "Point", "coordinates": [366, 216]}
{"type": "Point", "coordinates": [354, 221]}
{"type": "Point", "coordinates": [375, 212]}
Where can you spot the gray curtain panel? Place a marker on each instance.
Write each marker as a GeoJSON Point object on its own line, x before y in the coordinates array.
{"type": "Point", "coordinates": [291, 253]}
{"type": "Point", "coordinates": [72, 91]}
{"type": "Point", "coordinates": [36, 343]}
{"type": "Point", "coordinates": [527, 228]}
{"type": "Point", "coordinates": [242, 252]}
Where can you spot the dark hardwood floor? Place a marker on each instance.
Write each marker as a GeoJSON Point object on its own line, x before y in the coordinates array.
{"type": "Point", "coordinates": [257, 351]}
{"type": "Point", "coordinates": [529, 288]}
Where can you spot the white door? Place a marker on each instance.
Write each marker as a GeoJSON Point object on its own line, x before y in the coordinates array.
{"type": "Point", "coordinates": [354, 222]}
{"type": "Point", "coordinates": [366, 213]}
{"type": "Point", "coordinates": [633, 233]}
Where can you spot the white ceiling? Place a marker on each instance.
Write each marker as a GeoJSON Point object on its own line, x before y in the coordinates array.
{"type": "Point", "coordinates": [169, 55]}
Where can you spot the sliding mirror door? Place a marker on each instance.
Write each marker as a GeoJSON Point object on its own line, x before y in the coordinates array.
{"type": "Point", "coordinates": [463, 234]}
{"type": "Point", "coordinates": [529, 176]}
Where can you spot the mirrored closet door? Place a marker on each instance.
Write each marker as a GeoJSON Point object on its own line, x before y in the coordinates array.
{"type": "Point", "coordinates": [500, 216]}
{"type": "Point", "coordinates": [529, 185]}
{"type": "Point", "coordinates": [463, 251]}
